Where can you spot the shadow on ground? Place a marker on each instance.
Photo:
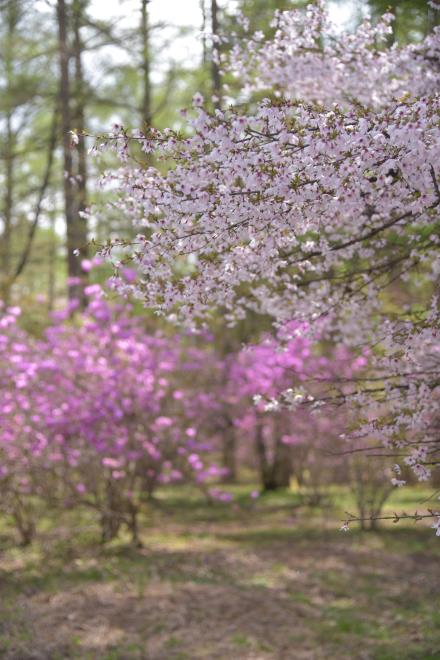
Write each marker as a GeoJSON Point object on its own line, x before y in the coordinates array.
{"type": "Point", "coordinates": [224, 589]}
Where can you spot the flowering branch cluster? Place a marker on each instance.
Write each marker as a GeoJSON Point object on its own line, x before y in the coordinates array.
{"type": "Point", "coordinates": [320, 203]}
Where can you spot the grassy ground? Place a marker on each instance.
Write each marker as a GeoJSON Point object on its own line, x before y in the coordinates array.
{"type": "Point", "coordinates": [275, 580]}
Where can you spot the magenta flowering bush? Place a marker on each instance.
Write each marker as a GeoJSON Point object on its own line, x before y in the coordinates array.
{"type": "Point", "coordinates": [99, 412]}
{"type": "Point", "coordinates": [268, 410]}
{"type": "Point", "coordinates": [94, 413]}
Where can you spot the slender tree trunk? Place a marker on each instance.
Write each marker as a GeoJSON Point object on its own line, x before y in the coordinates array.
{"type": "Point", "coordinates": [282, 462]}
{"type": "Point", "coordinates": [215, 57]}
{"type": "Point", "coordinates": [31, 230]}
{"type": "Point", "coordinates": [110, 514]}
{"type": "Point", "coordinates": [266, 472]}
{"type": "Point", "coordinates": [274, 473]}
{"type": "Point", "coordinates": [229, 454]}
{"type": "Point", "coordinates": [146, 110]}
{"type": "Point", "coordinates": [79, 125]}
{"type": "Point", "coordinates": [204, 48]}
{"type": "Point", "coordinates": [52, 259]}
{"type": "Point", "coordinates": [79, 117]}
{"type": "Point", "coordinates": [8, 201]}
{"type": "Point", "coordinates": [24, 522]}
{"type": "Point", "coordinates": [7, 211]}
{"type": "Point", "coordinates": [133, 525]}
{"type": "Point", "coordinates": [76, 242]}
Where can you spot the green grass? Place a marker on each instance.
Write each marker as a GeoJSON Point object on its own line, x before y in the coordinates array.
{"type": "Point", "coordinates": [266, 579]}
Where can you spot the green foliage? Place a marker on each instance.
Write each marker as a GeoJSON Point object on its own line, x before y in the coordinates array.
{"type": "Point", "coordinates": [414, 18]}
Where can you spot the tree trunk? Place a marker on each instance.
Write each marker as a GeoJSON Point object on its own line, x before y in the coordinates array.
{"type": "Point", "coordinates": [52, 259]}
{"type": "Point", "coordinates": [24, 522]}
{"type": "Point", "coordinates": [133, 525]}
{"type": "Point", "coordinates": [204, 49]}
{"type": "Point", "coordinates": [79, 119]}
{"type": "Point", "coordinates": [266, 469]}
{"type": "Point", "coordinates": [229, 455]}
{"type": "Point", "coordinates": [110, 514]}
{"type": "Point", "coordinates": [24, 257]}
{"type": "Point", "coordinates": [11, 18]}
{"type": "Point", "coordinates": [146, 110]}
{"type": "Point", "coordinates": [7, 211]}
{"type": "Point", "coordinates": [215, 57]}
{"type": "Point", "coordinates": [282, 469]}
{"type": "Point", "coordinates": [75, 239]}
{"type": "Point", "coordinates": [110, 526]}
{"type": "Point", "coordinates": [275, 473]}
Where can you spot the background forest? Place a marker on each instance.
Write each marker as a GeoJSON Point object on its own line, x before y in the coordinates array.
{"type": "Point", "coordinates": [84, 66]}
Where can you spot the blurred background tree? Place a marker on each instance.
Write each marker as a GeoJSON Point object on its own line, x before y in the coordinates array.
{"type": "Point", "coordinates": [70, 65]}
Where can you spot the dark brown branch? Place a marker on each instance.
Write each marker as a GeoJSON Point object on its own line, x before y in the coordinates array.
{"type": "Point", "coordinates": [42, 192]}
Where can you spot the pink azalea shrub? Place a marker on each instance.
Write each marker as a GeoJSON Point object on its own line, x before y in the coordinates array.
{"type": "Point", "coordinates": [93, 414]}
{"type": "Point", "coordinates": [99, 412]}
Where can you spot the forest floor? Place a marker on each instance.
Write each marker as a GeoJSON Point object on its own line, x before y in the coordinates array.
{"type": "Point", "coordinates": [271, 581]}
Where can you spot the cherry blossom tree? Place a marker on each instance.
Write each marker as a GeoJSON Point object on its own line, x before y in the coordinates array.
{"type": "Point", "coordinates": [318, 203]}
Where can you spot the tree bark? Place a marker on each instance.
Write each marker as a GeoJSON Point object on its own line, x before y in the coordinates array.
{"type": "Point", "coordinates": [7, 211]}
{"type": "Point", "coordinates": [282, 469]}
{"type": "Point", "coordinates": [282, 462]}
{"type": "Point", "coordinates": [52, 259]}
{"type": "Point", "coordinates": [19, 268]}
{"type": "Point", "coordinates": [79, 125]}
{"type": "Point", "coordinates": [266, 476]}
{"type": "Point", "coordinates": [275, 473]}
{"type": "Point", "coordinates": [76, 236]}
{"type": "Point", "coordinates": [146, 110]}
{"type": "Point", "coordinates": [12, 19]}
{"type": "Point", "coordinates": [78, 11]}
{"type": "Point", "coordinates": [204, 48]}
{"type": "Point", "coordinates": [215, 54]}
{"type": "Point", "coordinates": [229, 454]}
{"type": "Point", "coordinates": [111, 519]}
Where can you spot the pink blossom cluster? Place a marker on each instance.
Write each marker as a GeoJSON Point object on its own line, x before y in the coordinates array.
{"type": "Point", "coordinates": [308, 59]}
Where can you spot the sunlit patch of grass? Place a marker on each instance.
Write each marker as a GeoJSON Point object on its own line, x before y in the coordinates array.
{"type": "Point", "coordinates": [340, 625]}
{"type": "Point", "coordinates": [173, 642]}
{"type": "Point", "coordinates": [243, 641]}
{"type": "Point", "coordinates": [301, 597]}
